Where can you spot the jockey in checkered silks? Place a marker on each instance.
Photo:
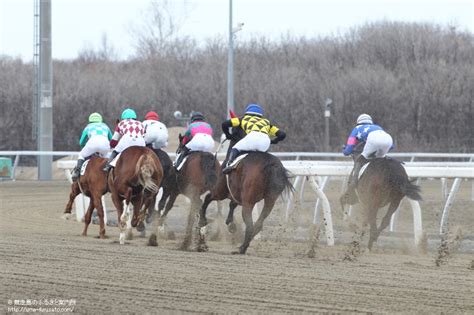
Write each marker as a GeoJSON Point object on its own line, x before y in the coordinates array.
{"type": "Point", "coordinates": [129, 132]}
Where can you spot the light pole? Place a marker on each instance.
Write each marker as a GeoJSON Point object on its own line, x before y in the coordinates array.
{"type": "Point", "coordinates": [230, 62]}
{"type": "Point", "coordinates": [327, 114]}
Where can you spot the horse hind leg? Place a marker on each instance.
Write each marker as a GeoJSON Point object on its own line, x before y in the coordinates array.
{"type": "Point", "coordinates": [249, 228]}
{"type": "Point", "coordinates": [75, 191]}
{"type": "Point", "coordinates": [100, 212]}
{"type": "Point", "coordinates": [373, 233]}
{"type": "Point", "coordinates": [188, 236]}
{"type": "Point", "coordinates": [390, 211]}
{"type": "Point", "coordinates": [230, 217]}
{"type": "Point", "coordinates": [88, 217]}
{"type": "Point", "coordinates": [268, 205]}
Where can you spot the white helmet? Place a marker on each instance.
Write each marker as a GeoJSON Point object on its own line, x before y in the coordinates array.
{"type": "Point", "coordinates": [364, 119]}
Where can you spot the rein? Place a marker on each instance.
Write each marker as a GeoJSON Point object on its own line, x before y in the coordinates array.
{"type": "Point", "coordinates": [230, 191]}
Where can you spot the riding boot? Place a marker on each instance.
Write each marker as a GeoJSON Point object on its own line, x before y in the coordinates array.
{"type": "Point", "coordinates": [184, 151]}
{"type": "Point", "coordinates": [233, 154]}
{"type": "Point", "coordinates": [111, 158]}
{"type": "Point", "coordinates": [77, 170]}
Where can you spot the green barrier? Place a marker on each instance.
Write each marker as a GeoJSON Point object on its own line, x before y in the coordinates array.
{"type": "Point", "coordinates": [5, 167]}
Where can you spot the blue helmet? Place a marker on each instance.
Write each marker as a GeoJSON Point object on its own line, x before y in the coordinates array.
{"type": "Point", "coordinates": [128, 114]}
{"type": "Point", "coordinates": [254, 109]}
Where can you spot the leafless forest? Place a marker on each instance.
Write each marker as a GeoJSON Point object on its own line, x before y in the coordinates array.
{"type": "Point", "coordinates": [416, 80]}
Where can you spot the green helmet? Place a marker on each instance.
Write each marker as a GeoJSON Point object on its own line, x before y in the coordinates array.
{"type": "Point", "coordinates": [95, 118]}
{"type": "Point", "coordinates": [129, 114]}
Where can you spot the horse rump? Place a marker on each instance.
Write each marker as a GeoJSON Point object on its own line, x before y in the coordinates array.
{"type": "Point", "coordinates": [208, 165]}
{"type": "Point", "coordinates": [277, 177]}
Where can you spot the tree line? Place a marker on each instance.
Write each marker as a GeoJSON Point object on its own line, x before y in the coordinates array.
{"type": "Point", "coordinates": [415, 79]}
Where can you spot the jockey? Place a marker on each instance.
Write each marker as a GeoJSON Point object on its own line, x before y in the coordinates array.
{"type": "Point", "coordinates": [258, 131]}
{"type": "Point", "coordinates": [198, 137]}
{"type": "Point", "coordinates": [377, 142]}
{"type": "Point", "coordinates": [95, 138]}
{"type": "Point", "coordinates": [156, 133]}
{"type": "Point", "coordinates": [128, 133]}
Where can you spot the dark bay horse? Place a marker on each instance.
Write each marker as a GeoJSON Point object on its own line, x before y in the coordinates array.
{"type": "Point", "coordinates": [260, 175]}
{"type": "Point", "coordinates": [197, 176]}
{"type": "Point", "coordinates": [92, 184]}
{"type": "Point", "coordinates": [169, 186]}
{"type": "Point", "coordinates": [137, 172]}
{"type": "Point", "coordinates": [384, 182]}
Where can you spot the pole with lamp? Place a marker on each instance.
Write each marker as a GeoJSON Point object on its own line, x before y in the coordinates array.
{"type": "Point", "coordinates": [327, 115]}
{"type": "Point", "coordinates": [230, 62]}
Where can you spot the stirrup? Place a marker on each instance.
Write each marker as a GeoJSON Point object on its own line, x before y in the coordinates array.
{"type": "Point", "coordinates": [227, 169]}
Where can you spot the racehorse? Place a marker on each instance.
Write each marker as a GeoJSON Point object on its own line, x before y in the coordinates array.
{"type": "Point", "coordinates": [137, 171]}
{"type": "Point", "coordinates": [197, 175]}
{"type": "Point", "coordinates": [384, 182]}
{"type": "Point", "coordinates": [93, 184]}
{"type": "Point", "coordinates": [260, 175]}
{"type": "Point", "coordinates": [169, 186]}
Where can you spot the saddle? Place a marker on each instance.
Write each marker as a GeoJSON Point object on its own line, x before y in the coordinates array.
{"type": "Point", "coordinates": [238, 159]}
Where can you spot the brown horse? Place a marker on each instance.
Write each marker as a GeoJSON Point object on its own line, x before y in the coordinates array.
{"type": "Point", "coordinates": [384, 182]}
{"type": "Point", "coordinates": [92, 184]}
{"type": "Point", "coordinates": [197, 176]}
{"type": "Point", "coordinates": [258, 176]}
{"type": "Point", "coordinates": [137, 170]}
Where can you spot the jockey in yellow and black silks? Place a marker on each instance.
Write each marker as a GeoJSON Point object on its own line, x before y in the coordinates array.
{"type": "Point", "coordinates": [258, 131]}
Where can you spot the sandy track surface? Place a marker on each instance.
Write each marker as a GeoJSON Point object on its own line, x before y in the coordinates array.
{"type": "Point", "coordinates": [44, 257]}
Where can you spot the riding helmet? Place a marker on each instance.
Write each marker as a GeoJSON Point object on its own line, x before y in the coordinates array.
{"type": "Point", "coordinates": [197, 116]}
{"type": "Point", "coordinates": [364, 119]}
{"type": "Point", "coordinates": [152, 116]}
{"type": "Point", "coordinates": [254, 109]}
{"type": "Point", "coordinates": [95, 118]}
{"type": "Point", "coordinates": [128, 114]}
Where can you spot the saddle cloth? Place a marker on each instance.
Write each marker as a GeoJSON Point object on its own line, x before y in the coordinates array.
{"type": "Point", "coordinates": [83, 167]}
{"type": "Point", "coordinates": [178, 167]}
{"type": "Point", "coordinates": [238, 160]}
{"type": "Point", "coordinates": [362, 170]}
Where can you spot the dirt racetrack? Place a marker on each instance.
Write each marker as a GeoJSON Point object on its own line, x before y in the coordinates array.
{"type": "Point", "coordinates": [44, 257]}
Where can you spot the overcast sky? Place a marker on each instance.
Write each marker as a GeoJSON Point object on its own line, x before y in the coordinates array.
{"type": "Point", "coordinates": [79, 24]}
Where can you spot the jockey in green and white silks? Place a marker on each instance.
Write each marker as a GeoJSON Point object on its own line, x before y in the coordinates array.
{"type": "Point", "coordinates": [94, 139]}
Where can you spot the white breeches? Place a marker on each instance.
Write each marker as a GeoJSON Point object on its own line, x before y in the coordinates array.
{"type": "Point", "coordinates": [127, 141]}
{"type": "Point", "coordinates": [254, 141]}
{"type": "Point", "coordinates": [201, 142]}
{"type": "Point", "coordinates": [157, 135]}
{"type": "Point", "coordinates": [99, 144]}
{"type": "Point", "coordinates": [378, 141]}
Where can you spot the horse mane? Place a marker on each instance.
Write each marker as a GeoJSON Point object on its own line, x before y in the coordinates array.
{"type": "Point", "coordinates": [144, 170]}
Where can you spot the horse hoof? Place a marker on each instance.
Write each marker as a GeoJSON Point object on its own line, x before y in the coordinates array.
{"type": "Point", "coordinates": [66, 216]}
{"type": "Point", "coordinates": [141, 227]}
{"type": "Point", "coordinates": [202, 223]}
{"type": "Point", "coordinates": [232, 227]}
{"type": "Point", "coordinates": [202, 248]}
{"type": "Point", "coordinates": [235, 252]}
{"type": "Point", "coordinates": [152, 240]}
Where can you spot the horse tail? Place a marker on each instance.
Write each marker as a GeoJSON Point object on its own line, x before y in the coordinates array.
{"type": "Point", "coordinates": [278, 178]}
{"type": "Point", "coordinates": [410, 190]}
{"type": "Point", "coordinates": [208, 165]}
{"type": "Point", "coordinates": [144, 170]}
